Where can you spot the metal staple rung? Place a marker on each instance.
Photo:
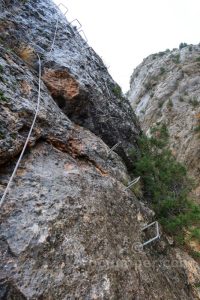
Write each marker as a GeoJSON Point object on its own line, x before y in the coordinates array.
{"type": "Point", "coordinates": [77, 22]}
{"type": "Point", "coordinates": [88, 48]}
{"type": "Point", "coordinates": [61, 4]}
{"type": "Point", "coordinates": [85, 38]}
{"type": "Point", "coordinates": [55, 33]}
{"type": "Point", "coordinates": [134, 181]}
{"type": "Point", "coordinates": [154, 238]}
{"type": "Point", "coordinates": [114, 147]}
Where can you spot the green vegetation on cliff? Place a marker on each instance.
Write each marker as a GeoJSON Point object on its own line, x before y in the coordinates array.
{"type": "Point", "coordinates": [167, 186]}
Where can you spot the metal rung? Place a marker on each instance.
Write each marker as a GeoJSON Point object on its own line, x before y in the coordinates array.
{"type": "Point", "coordinates": [83, 35]}
{"type": "Point", "coordinates": [76, 20]}
{"type": "Point", "coordinates": [154, 238]}
{"type": "Point", "coordinates": [113, 148]}
{"type": "Point", "coordinates": [55, 33]}
{"type": "Point", "coordinates": [88, 48]}
{"type": "Point", "coordinates": [134, 181]}
{"type": "Point", "coordinates": [66, 9]}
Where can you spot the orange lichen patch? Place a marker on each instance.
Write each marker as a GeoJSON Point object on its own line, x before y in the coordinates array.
{"type": "Point", "coordinates": [192, 242]}
{"type": "Point", "coordinates": [197, 116]}
{"type": "Point", "coordinates": [61, 83]}
{"type": "Point", "coordinates": [72, 146]}
{"type": "Point", "coordinates": [25, 87]}
{"type": "Point", "coordinates": [195, 246]}
{"type": "Point", "coordinates": [9, 60]}
{"type": "Point", "coordinates": [6, 25]}
{"type": "Point", "coordinates": [21, 172]}
{"type": "Point", "coordinates": [58, 144]}
{"type": "Point", "coordinates": [86, 163]}
{"type": "Point", "coordinates": [75, 148]}
{"type": "Point", "coordinates": [26, 53]}
{"type": "Point", "coordinates": [100, 170]}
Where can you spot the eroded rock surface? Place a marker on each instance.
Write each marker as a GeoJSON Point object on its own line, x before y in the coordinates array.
{"type": "Point", "coordinates": [68, 228]}
{"type": "Point", "coordinates": [72, 70]}
{"type": "Point", "coordinates": [61, 85]}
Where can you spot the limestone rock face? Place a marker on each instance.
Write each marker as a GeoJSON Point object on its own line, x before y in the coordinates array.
{"type": "Point", "coordinates": [69, 230]}
{"type": "Point", "coordinates": [75, 75]}
{"type": "Point", "coordinates": [165, 88]}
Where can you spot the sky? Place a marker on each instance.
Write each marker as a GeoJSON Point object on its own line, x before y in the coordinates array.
{"type": "Point", "coordinates": [123, 33]}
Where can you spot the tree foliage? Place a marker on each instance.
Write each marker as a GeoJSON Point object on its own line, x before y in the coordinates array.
{"type": "Point", "coordinates": [166, 184]}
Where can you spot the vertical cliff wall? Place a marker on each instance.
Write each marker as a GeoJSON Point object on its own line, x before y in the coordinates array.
{"type": "Point", "coordinates": [92, 99]}
{"type": "Point", "coordinates": [165, 88]}
{"type": "Point", "coordinates": [69, 229]}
